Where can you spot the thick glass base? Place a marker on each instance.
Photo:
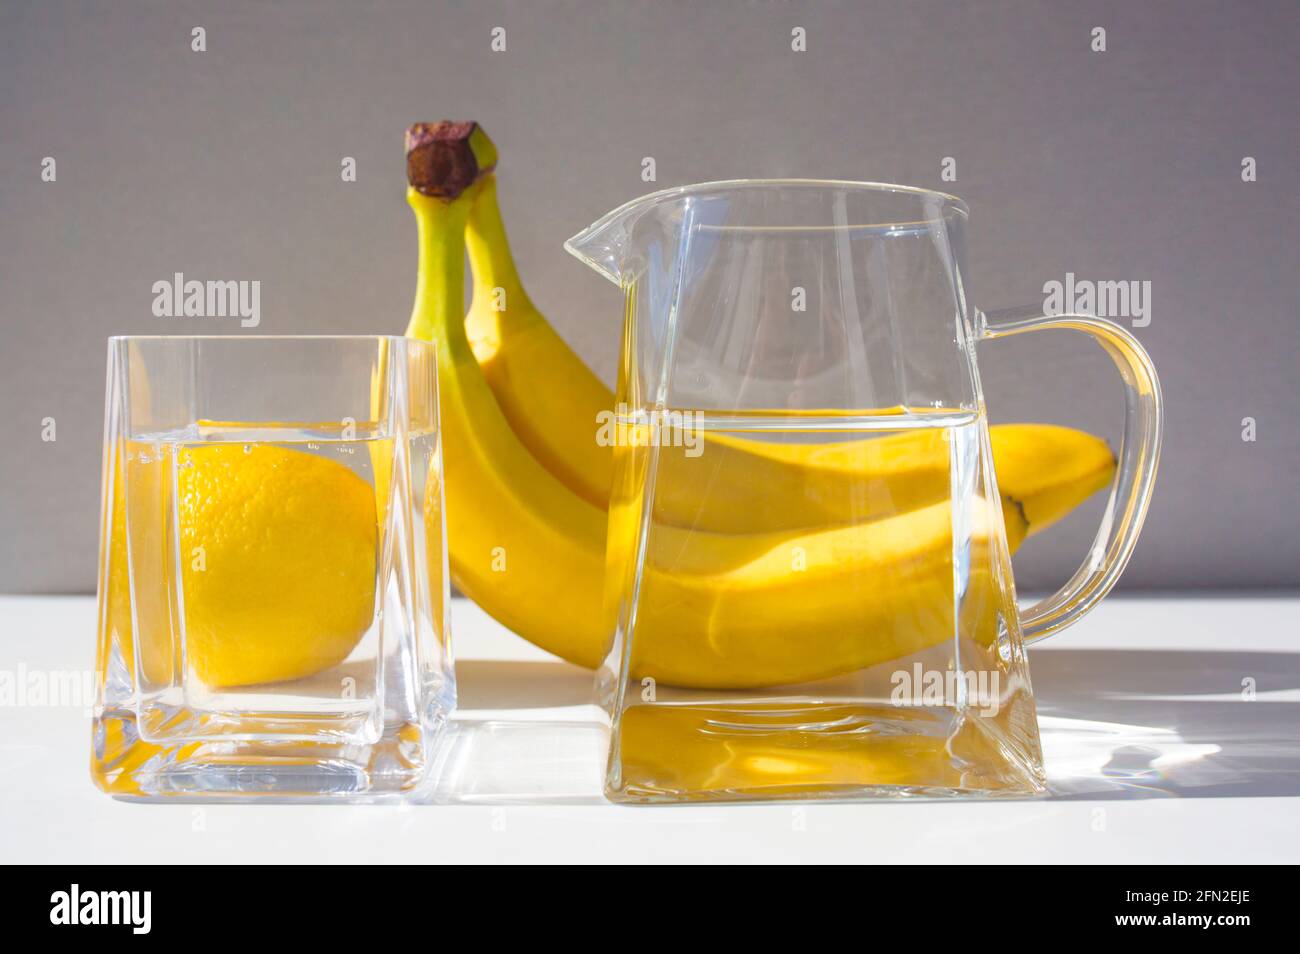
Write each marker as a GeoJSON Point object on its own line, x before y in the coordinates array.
{"type": "Point", "coordinates": [219, 767]}
{"type": "Point", "coordinates": [804, 749]}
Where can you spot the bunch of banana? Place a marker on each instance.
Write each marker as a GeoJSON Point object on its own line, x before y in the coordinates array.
{"type": "Point", "coordinates": [528, 488]}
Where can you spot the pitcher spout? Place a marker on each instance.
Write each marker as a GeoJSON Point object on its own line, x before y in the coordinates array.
{"type": "Point", "coordinates": [600, 246]}
{"type": "Point", "coordinates": [620, 244]}
{"type": "Point", "coordinates": [604, 245]}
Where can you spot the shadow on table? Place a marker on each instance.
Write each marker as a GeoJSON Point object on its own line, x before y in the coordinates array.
{"type": "Point", "coordinates": [1137, 723]}
{"type": "Point", "coordinates": [1115, 724]}
{"type": "Point", "coordinates": [524, 732]}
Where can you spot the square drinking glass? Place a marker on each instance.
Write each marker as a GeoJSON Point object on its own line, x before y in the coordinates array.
{"type": "Point", "coordinates": [273, 569]}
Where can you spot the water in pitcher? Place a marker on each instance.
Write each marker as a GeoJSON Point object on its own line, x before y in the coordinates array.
{"type": "Point", "coordinates": [812, 604]}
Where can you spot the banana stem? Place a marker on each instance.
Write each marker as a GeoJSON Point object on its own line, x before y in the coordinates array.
{"type": "Point", "coordinates": [440, 284]}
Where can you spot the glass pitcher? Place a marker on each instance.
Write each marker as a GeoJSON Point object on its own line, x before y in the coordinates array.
{"type": "Point", "coordinates": [809, 588]}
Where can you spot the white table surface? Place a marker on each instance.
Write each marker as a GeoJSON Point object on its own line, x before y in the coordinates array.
{"type": "Point", "coordinates": [1153, 751]}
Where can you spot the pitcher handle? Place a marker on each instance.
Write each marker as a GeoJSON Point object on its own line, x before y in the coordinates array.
{"type": "Point", "coordinates": [1139, 453]}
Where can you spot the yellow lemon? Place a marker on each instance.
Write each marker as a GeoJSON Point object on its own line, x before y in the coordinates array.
{"type": "Point", "coordinates": [277, 551]}
{"type": "Point", "coordinates": [280, 579]}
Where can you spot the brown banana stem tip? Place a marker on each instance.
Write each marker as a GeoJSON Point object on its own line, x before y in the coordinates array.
{"type": "Point", "coordinates": [444, 159]}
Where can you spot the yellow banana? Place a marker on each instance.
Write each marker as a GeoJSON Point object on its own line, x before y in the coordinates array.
{"type": "Point", "coordinates": [548, 395]}
{"type": "Point", "coordinates": [724, 610]}
{"type": "Point", "coordinates": [552, 400]}
{"type": "Point", "coordinates": [521, 544]}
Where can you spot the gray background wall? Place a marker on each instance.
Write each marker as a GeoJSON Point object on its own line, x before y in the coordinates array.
{"type": "Point", "coordinates": [225, 164]}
